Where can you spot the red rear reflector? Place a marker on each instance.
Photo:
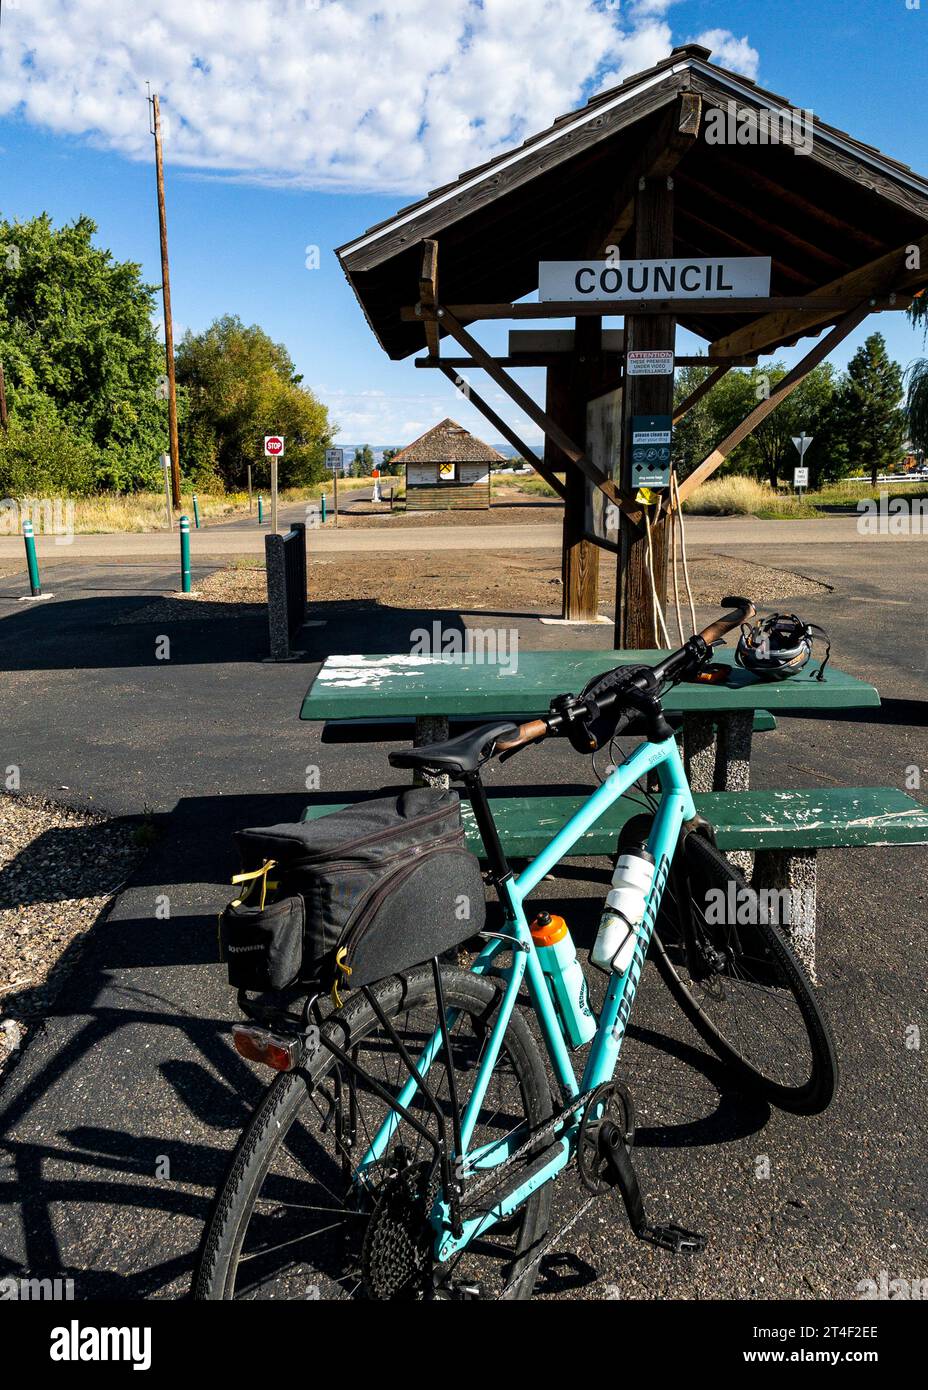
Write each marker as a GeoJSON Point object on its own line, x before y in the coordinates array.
{"type": "Point", "coordinates": [259, 1045]}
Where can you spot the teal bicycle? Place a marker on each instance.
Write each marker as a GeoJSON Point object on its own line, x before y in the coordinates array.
{"type": "Point", "coordinates": [409, 1148]}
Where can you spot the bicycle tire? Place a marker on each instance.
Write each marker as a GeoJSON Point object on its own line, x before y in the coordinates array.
{"type": "Point", "coordinates": [697, 856]}
{"type": "Point", "coordinates": [290, 1092]}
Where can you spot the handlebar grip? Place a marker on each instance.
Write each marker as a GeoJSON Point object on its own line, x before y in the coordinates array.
{"type": "Point", "coordinates": [526, 733]}
{"type": "Point", "coordinates": [714, 631]}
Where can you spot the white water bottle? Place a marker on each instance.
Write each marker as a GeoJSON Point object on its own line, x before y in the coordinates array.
{"type": "Point", "coordinates": [624, 911]}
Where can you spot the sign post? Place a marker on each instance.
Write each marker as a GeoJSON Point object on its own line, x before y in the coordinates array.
{"type": "Point", "coordinates": [335, 459]}
{"type": "Point", "coordinates": [801, 474]}
{"type": "Point", "coordinates": [375, 495]}
{"type": "Point", "coordinates": [274, 448]}
{"type": "Point", "coordinates": [250, 497]}
{"type": "Point", "coordinates": [166, 465]}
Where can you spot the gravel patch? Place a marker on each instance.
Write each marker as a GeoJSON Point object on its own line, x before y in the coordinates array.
{"type": "Point", "coordinates": [59, 867]}
{"type": "Point", "coordinates": [498, 581]}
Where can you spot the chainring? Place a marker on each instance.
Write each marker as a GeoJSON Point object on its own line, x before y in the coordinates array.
{"type": "Point", "coordinates": [397, 1253]}
{"type": "Point", "coordinates": [615, 1104]}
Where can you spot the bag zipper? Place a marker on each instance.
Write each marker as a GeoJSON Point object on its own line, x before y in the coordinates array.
{"type": "Point", "coordinates": [368, 908]}
{"type": "Point", "coordinates": [371, 839]}
{"type": "Point", "coordinates": [351, 866]}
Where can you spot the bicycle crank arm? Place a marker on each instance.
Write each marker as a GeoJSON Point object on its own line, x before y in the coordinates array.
{"type": "Point", "coordinates": [615, 1152]}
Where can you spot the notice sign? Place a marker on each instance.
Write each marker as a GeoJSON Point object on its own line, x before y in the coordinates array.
{"type": "Point", "coordinates": [726, 277]}
{"type": "Point", "coordinates": [651, 435]}
{"type": "Point", "coordinates": [335, 459]}
{"type": "Point", "coordinates": [800, 477]}
{"type": "Point", "coordinates": [653, 362]}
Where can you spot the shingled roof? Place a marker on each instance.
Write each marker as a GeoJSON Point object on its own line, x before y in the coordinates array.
{"type": "Point", "coordinates": [817, 215]}
{"type": "Point", "coordinates": [448, 442]}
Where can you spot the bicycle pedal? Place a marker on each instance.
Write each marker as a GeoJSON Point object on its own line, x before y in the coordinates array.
{"type": "Point", "coordinates": [674, 1238]}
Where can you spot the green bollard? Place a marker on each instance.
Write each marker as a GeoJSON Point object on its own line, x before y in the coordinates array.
{"type": "Point", "coordinates": [31, 560]}
{"type": "Point", "coordinates": [260, 509]}
{"type": "Point", "coordinates": [185, 554]}
{"type": "Point", "coordinates": [323, 509]}
{"type": "Point", "coordinates": [196, 512]}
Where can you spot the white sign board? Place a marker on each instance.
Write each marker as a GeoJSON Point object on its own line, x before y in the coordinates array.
{"type": "Point", "coordinates": [726, 277]}
{"type": "Point", "coordinates": [802, 442]}
{"type": "Point", "coordinates": [335, 460]}
{"type": "Point", "coordinates": [273, 445]}
{"type": "Point", "coordinates": [800, 477]}
{"type": "Point", "coordinates": [652, 362]}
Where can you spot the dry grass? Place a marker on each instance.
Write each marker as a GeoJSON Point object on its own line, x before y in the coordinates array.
{"type": "Point", "coordinates": [144, 511]}
{"type": "Point", "coordinates": [737, 496]}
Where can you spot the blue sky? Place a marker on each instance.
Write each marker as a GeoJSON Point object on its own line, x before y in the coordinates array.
{"type": "Point", "coordinates": [298, 123]}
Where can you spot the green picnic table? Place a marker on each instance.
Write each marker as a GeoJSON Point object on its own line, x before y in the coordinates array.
{"type": "Point", "coordinates": [775, 836]}
{"type": "Point", "coordinates": [718, 720]}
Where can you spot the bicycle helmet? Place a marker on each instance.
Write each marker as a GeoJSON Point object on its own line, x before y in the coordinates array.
{"type": "Point", "coordinates": [780, 646]}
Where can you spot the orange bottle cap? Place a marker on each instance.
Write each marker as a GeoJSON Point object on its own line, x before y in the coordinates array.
{"type": "Point", "coordinates": [547, 930]}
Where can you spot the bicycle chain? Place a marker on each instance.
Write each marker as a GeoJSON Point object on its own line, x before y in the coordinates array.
{"type": "Point", "coordinates": [549, 1128]}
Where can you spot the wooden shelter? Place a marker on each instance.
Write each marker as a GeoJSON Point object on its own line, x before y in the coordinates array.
{"type": "Point", "coordinates": [447, 469]}
{"type": "Point", "coordinates": [684, 163]}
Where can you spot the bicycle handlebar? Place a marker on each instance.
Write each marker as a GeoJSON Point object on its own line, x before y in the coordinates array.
{"type": "Point", "coordinates": [693, 653]}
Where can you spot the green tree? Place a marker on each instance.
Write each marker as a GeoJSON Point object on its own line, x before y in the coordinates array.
{"type": "Point", "coordinates": [916, 405]}
{"type": "Point", "coordinates": [81, 361]}
{"type": "Point", "coordinates": [239, 386]}
{"type": "Point", "coordinates": [387, 461]}
{"type": "Point", "coordinates": [363, 461]}
{"type": "Point", "coordinates": [867, 422]}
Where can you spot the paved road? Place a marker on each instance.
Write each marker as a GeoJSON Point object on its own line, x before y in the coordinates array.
{"type": "Point", "coordinates": [245, 539]}
{"type": "Point", "coordinates": [136, 1065]}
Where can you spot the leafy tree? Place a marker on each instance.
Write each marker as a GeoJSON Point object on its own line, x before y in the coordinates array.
{"type": "Point", "coordinates": [867, 423]}
{"type": "Point", "coordinates": [387, 461]}
{"type": "Point", "coordinates": [239, 385]}
{"type": "Point", "coordinates": [81, 362]}
{"type": "Point", "coordinates": [363, 461]}
{"type": "Point", "coordinates": [916, 404]}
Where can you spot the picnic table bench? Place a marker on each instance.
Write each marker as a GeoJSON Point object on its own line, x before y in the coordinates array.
{"type": "Point", "coordinates": [775, 836]}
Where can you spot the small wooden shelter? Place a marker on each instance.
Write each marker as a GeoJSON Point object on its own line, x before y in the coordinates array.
{"type": "Point", "coordinates": [447, 468]}
{"type": "Point", "coordinates": [652, 202]}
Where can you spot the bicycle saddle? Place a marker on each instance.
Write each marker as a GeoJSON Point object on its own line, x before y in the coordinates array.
{"type": "Point", "coordinates": [457, 755]}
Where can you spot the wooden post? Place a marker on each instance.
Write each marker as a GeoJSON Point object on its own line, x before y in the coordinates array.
{"type": "Point", "coordinates": [644, 395]}
{"type": "Point", "coordinates": [166, 296]}
{"type": "Point", "coordinates": [569, 388]}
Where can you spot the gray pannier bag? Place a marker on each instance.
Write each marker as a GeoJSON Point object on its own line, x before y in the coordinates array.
{"type": "Point", "coordinates": [354, 896]}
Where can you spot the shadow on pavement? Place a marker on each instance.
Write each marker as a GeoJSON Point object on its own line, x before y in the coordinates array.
{"type": "Point", "coordinates": [118, 1117]}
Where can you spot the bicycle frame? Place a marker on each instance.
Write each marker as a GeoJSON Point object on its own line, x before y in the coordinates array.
{"type": "Point", "coordinates": [675, 807]}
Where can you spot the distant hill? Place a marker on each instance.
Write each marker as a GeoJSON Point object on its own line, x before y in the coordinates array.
{"type": "Point", "coordinates": [505, 449]}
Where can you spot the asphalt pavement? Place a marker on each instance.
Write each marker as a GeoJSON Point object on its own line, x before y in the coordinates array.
{"type": "Point", "coordinates": [117, 1117]}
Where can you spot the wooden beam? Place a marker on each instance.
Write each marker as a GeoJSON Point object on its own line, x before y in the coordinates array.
{"type": "Point", "coordinates": [534, 411]}
{"type": "Point", "coordinates": [428, 295]}
{"type": "Point", "coordinates": [549, 359]}
{"type": "Point", "coordinates": [783, 388]}
{"type": "Point", "coordinates": [502, 427]}
{"type": "Point", "coordinates": [642, 559]}
{"type": "Point", "coordinates": [673, 138]}
{"type": "Point", "coordinates": [699, 391]}
{"type": "Point", "coordinates": [548, 340]}
{"type": "Point", "coordinates": [886, 274]}
{"type": "Point", "coordinates": [813, 303]}
{"type": "Point", "coordinates": [568, 387]}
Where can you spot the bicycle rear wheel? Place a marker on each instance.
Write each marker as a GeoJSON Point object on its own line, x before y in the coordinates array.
{"type": "Point", "coordinates": [293, 1221]}
{"type": "Point", "coordinates": [738, 980]}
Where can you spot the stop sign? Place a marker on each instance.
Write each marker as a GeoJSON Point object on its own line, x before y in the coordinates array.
{"type": "Point", "coordinates": [375, 473]}
{"type": "Point", "coordinates": [273, 445]}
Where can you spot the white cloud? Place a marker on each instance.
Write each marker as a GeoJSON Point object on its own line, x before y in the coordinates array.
{"type": "Point", "coordinates": [330, 94]}
{"type": "Point", "coordinates": [731, 52]}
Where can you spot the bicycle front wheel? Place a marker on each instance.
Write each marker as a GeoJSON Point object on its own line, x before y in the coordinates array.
{"type": "Point", "coordinates": [295, 1219]}
{"type": "Point", "coordinates": [738, 980]}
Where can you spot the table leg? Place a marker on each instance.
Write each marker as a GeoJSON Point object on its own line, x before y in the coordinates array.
{"type": "Point", "coordinates": [431, 728]}
{"type": "Point", "coordinates": [792, 871]}
{"type": "Point", "coordinates": [717, 758]}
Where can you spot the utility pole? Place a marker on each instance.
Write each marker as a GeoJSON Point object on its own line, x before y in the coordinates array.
{"type": "Point", "coordinates": [4, 425]}
{"type": "Point", "coordinates": [166, 295]}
